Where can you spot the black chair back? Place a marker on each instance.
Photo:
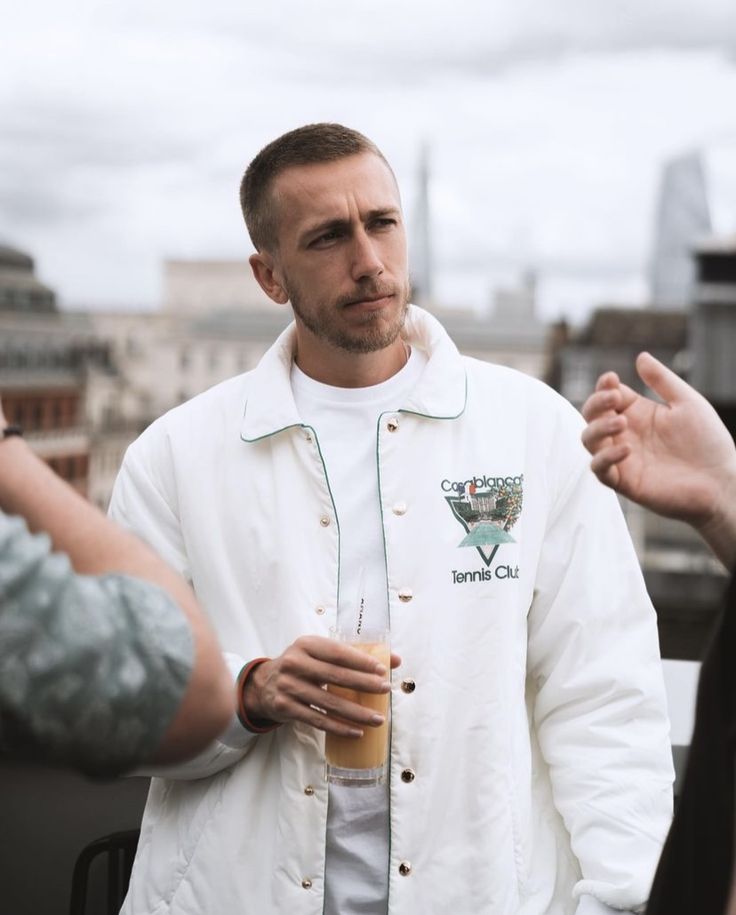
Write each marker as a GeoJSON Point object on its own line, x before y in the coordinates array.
{"type": "Point", "coordinates": [118, 849]}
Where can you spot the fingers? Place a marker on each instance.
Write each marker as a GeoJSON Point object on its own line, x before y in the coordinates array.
{"type": "Point", "coordinates": [600, 432]}
{"type": "Point", "coordinates": [605, 464]}
{"type": "Point", "coordinates": [607, 381]}
{"type": "Point", "coordinates": [603, 401]}
{"type": "Point", "coordinates": [317, 672]}
{"type": "Point", "coordinates": [324, 683]}
{"type": "Point", "coordinates": [663, 381]}
{"type": "Point", "coordinates": [608, 399]}
{"type": "Point", "coordinates": [604, 412]}
{"type": "Point", "coordinates": [338, 710]}
{"type": "Point", "coordinates": [332, 652]}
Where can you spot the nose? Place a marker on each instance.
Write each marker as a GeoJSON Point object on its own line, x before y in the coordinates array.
{"type": "Point", "coordinates": [366, 257]}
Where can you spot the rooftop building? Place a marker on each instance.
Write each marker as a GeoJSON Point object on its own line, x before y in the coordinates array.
{"type": "Point", "coordinates": [697, 200]}
{"type": "Point", "coordinates": [20, 290]}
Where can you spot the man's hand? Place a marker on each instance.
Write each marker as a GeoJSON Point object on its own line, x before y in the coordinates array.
{"type": "Point", "coordinates": [676, 457]}
{"type": "Point", "coordinates": [3, 421]}
{"type": "Point", "coordinates": [290, 687]}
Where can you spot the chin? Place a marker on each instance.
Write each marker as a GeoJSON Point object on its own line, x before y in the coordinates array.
{"type": "Point", "coordinates": [371, 340]}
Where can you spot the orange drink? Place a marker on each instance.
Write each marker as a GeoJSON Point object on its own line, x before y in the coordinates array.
{"type": "Point", "coordinates": [361, 760]}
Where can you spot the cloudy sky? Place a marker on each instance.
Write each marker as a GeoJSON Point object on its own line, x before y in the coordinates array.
{"type": "Point", "coordinates": [126, 128]}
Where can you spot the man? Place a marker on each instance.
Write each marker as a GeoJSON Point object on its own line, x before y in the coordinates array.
{"type": "Point", "coordinates": [677, 458]}
{"type": "Point", "coordinates": [105, 658]}
{"type": "Point", "coordinates": [530, 769]}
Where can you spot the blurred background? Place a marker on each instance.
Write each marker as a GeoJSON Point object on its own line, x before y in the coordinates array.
{"type": "Point", "coordinates": [568, 173]}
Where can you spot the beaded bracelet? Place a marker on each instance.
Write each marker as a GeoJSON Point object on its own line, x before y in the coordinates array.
{"type": "Point", "coordinates": [260, 727]}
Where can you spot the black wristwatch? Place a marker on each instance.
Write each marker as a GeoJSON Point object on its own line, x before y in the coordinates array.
{"type": "Point", "coordinates": [10, 431]}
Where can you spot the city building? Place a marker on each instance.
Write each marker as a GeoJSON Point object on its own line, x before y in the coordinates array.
{"type": "Point", "coordinates": [712, 339]}
{"type": "Point", "coordinates": [120, 371]}
{"type": "Point", "coordinates": [51, 375]}
{"type": "Point", "coordinates": [20, 290]}
{"type": "Point", "coordinates": [697, 201]}
{"type": "Point", "coordinates": [216, 322]}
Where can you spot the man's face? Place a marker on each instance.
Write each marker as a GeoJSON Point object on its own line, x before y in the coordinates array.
{"type": "Point", "coordinates": [341, 254]}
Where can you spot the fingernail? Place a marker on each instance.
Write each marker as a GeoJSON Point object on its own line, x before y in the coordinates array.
{"type": "Point", "coordinates": [386, 686]}
{"type": "Point", "coordinates": [377, 719]}
{"type": "Point", "coordinates": [380, 669]}
{"type": "Point", "coordinates": [355, 733]}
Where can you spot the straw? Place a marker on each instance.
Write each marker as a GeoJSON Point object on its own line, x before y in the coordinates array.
{"type": "Point", "coordinates": [360, 599]}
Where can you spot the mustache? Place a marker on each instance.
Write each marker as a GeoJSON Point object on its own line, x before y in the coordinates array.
{"type": "Point", "coordinates": [371, 290]}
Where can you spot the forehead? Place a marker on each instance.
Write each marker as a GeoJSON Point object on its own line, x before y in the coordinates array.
{"type": "Point", "coordinates": [341, 189]}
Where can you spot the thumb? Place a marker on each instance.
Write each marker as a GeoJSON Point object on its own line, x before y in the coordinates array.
{"type": "Point", "coordinates": [661, 380]}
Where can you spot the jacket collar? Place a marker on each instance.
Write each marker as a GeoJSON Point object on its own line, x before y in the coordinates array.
{"type": "Point", "coordinates": [440, 392]}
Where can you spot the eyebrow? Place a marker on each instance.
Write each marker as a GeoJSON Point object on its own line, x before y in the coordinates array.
{"type": "Point", "coordinates": [331, 224]}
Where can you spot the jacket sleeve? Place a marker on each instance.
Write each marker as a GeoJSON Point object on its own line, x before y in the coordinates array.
{"type": "Point", "coordinates": [144, 503]}
{"type": "Point", "coordinates": [589, 905]}
{"type": "Point", "coordinates": [595, 670]}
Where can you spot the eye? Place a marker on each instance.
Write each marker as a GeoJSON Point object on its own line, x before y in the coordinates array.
{"type": "Point", "coordinates": [326, 238]}
{"type": "Point", "coordinates": [383, 224]}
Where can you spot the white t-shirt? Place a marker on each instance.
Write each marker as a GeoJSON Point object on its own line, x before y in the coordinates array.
{"type": "Point", "coordinates": [345, 421]}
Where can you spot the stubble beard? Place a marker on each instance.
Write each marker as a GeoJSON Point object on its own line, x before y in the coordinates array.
{"type": "Point", "coordinates": [371, 335]}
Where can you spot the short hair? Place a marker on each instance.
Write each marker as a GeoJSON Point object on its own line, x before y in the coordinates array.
{"type": "Point", "coordinates": [304, 146]}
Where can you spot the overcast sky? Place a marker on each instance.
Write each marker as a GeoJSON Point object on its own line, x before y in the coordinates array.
{"type": "Point", "coordinates": [126, 128]}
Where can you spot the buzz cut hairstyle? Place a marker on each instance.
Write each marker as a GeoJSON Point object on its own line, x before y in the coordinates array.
{"type": "Point", "coordinates": [306, 145]}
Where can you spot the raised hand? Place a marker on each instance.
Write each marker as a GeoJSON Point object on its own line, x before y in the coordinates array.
{"type": "Point", "coordinates": [675, 457]}
{"type": "Point", "coordinates": [290, 687]}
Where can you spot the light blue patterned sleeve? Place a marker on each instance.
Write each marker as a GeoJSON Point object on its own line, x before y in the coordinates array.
{"type": "Point", "coordinates": [92, 669]}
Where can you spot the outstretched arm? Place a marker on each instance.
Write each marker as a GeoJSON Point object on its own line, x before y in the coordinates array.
{"type": "Point", "coordinates": [96, 547]}
{"type": "Point", "coordinates": [675, 457]}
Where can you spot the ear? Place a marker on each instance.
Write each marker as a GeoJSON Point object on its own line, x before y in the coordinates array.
{"type": "Point", "coordinates": [264, 270]}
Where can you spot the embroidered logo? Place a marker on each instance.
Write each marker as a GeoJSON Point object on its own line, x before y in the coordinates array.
{"type": "Point", "coordinates": [487, 508]}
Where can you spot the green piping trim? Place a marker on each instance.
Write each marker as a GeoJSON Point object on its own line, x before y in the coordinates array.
{"type": "Point", "coordinates": [260, 438]}
{"type": "Point", "coordinates": [433, 415]}
{"type": "Point", "coordinates": [337, 605]}
{"type": "Point", "coordinates": [334, 509]}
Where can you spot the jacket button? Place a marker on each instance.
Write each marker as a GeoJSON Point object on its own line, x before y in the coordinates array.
{"type": "Point", "coordinates": [307, 883]}
{"type": "Point", "coordinates": [408, 776]}
{"type": "Point", "coordinates": [405, 595]}
{"type": "Point", "coordinates": [319, 611]}
{"type": "Point", "coordinates": [408, 685]}
{"type": "Point", "coordinates": [309, 790]}
{"type": "Point", "coordinates": [399, 508]}
{"type": "Point", "coordinates": [324, 521]}
{"type": "Point", "coordinates": [405, 868]}
{"type": "Point", "coordinates": [393, 424]}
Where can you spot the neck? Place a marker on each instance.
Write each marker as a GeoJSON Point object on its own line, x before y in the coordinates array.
{"type": "Point", "coordinates": [343, 369]}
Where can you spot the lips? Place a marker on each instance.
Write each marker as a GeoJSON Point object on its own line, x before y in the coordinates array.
{"type": "Point", "coordinates": [368, 299]}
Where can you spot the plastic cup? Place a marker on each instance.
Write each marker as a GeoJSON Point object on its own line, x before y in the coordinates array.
{"type": "Point", "coordinates": [361, 761]}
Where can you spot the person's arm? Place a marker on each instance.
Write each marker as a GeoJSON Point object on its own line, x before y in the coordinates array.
{"type": "Point", "coordinates": [675, 457]}
{"type": "Point", "coordinates": [95, 546]}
